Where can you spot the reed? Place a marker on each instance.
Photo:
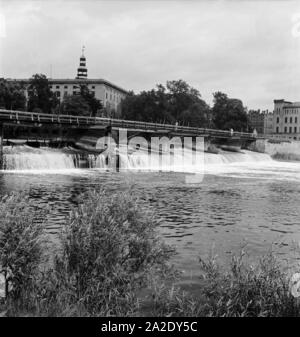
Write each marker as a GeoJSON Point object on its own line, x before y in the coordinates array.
{"type": "Point", "coordinates": [242, 291]}
{"type": "Point", "coordinates": [109, 247]}
{"type": "Point", "coordinates": [111, 262]}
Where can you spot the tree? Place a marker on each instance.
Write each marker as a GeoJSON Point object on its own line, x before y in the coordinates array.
{"type": "Point", "coordinates": [197, 115]}
{"type": "Point", "coordinates": [148, 106]}
{"type": "Point", "coordinates": [229, 113]}
{"type": "Point", "coordinates": [75, 105]}
{"type": "Point", "coordinates": [12, 95]}
{"type": "Point", "coordinates": [93, 103]}
{"type": "Point", "coordinates": [181, 97]}
{"type": "Point", "coordinates": [40, 97]}
{"type": "Point", "coordinates": [178, 101]}
{"type": "Point", "coordinates": [83, 103]}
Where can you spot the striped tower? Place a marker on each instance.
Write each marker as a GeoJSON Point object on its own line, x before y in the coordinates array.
{"type": "Point", "coordinates": [82, 69]}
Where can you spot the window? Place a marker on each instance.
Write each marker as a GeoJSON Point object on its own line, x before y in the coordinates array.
{"type": "Point", "coordinates": [296, 120]}
{"type": "Point", "coordinates": [290, 130]}
{"type": "Point", "coordinates": [74, 87]}
{"type": "Point", "coordinates": [57, 93]}
{"type": "Point", "coordinates": [93, 87]}
{"type": "Point", "coordinates": [65, 93]}
{"type": "Point", "coordinates": [285, 120]}
{"type": "Point", "coordinates": [74, 92]}
{"type": "Point", "coordinates": [277, 119]}
{"type": "Point", "coordinates": [66, 87]}
{"type": "Point", "coordinates": [285, 129]}
{"type": "Point", "coordinates": [295, 129]}
{"type": "Point", "coordinates": [277, 129]}
{"type": "Point", "coordinates": [50, 86]}
{"type": "Point", "coordinates": [57, 87]}
{"type": "Point", "coordinates": [291, 119]}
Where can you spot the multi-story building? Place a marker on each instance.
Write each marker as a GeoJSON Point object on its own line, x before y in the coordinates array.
{"type": "Point", "coordinates": [108, 93]}
{"type": "Point", "coordinates": [286, 120]}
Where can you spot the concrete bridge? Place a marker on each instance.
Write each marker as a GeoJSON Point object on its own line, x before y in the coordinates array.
{"type": "Point", "coordinates": [54, 129]}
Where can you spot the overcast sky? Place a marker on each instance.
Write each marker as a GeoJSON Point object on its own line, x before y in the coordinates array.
{"type": "Point", "coordinates": [247, 49]}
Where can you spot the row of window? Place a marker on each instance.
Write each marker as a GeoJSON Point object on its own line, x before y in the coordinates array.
{"type": "Point", "coordinates": [66, 87]}
{"type": "Point", "coordinates": [288, 130]}
{"type": "Point", "coordinates": [286, 120]}
{"type": "Point", "coordinates": [57, 93]}
{"type": "Point", "coordinates": [288, 111]}
{"type": "Point", "coordinates": [112, 97]}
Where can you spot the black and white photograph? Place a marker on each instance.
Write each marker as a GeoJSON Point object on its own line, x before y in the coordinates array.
{"type": "Point", "coordinates": [149, 161]}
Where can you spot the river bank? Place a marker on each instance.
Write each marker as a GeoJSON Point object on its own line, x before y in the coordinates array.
{"type": "Point", "coordinates": [112, 262]}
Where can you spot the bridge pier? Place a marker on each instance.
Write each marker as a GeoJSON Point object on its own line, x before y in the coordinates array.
{"type": "Point", "coordinates": [1, 146]}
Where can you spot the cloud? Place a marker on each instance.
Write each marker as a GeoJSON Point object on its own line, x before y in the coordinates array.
{"type": "Point", "coordinates": [245, 49]}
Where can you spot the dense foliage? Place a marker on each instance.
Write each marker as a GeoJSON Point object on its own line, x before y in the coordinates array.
{"type": "Point", "coordinates": [175, 102]}
{"type": "Point", "coordinates": [229, 113]}
{"type": "Point", "coordinates": [40, 97]}
{"type": "Point", "coordinates": [82, 104]}
{"type": "Point", "coordinates": [12, 96]}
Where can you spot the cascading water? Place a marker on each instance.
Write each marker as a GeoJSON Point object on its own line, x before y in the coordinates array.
{"type": "Point", "coordinates": [28, 158]}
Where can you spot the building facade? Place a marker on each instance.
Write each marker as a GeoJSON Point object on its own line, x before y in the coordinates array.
{"type": "Point", "coordinates": [261, 121]}
{"type": "Point", "coordinates": [256, 119]}
{"type": "Point", "coordinates": [108, 93]}
{"type": "Point", "coordinates": [286, 120]}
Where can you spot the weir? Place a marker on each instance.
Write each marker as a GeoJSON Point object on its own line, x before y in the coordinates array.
{"type": "Point", "coordinates": [27, 158]}
{"type": "Point", "coordinates": [82, 133]}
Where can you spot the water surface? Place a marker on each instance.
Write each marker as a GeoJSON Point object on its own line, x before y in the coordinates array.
{"type": "Point", "coordinates": [239, 204]}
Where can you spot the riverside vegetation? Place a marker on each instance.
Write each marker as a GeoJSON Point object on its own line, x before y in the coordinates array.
{"type": "Point", "coordinates": [109, 253]}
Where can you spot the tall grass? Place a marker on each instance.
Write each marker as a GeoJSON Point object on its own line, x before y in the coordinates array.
{"type": "Point", "coordinates": [242, 290]}
{"type": "Point", "coordinates": [21, 250]}
{"type": "Point", "coordinates": [109, 246]}
{"type": "Point", "coordinates": [109, 253]}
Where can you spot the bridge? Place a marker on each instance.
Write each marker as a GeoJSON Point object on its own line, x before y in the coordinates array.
{"type": "Point", "coordinates": [33, 126]}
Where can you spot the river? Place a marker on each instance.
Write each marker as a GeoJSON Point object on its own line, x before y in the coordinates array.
{"type": "Point", "coordinates": [244, 201]}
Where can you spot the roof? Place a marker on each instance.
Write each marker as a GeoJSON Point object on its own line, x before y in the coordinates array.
{"type": "Point", "coordinates": [75, 81]}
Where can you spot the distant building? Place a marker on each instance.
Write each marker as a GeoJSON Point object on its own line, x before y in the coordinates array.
{"type": "Point", "coordinates": [108, 93]}
{"type": "Point", "coordinates": [286, 120]}
{"type": "Point", "coordinates": [256, 119]}
{"type": "Point", "coordinates": [261, 121]}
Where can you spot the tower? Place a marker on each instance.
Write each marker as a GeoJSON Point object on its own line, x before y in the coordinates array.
{"type": "Point", "coordinates": [82, 69]}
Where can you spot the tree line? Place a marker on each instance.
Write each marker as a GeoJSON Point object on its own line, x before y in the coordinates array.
{"type": "Point", "coordinates": [175, 103]}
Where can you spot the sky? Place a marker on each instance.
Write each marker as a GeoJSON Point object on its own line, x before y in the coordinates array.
{"type": "Point", "coordinates": [248, 49]}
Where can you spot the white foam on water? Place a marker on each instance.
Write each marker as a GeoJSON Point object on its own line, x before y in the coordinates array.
{"type": "Point", "coordinates": [245, 164]}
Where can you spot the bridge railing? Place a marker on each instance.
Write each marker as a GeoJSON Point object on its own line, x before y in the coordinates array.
{"type": "Point", "coordinates": [35, 117]}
